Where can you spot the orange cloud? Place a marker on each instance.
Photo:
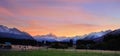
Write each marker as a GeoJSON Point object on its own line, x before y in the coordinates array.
{"type": "Point", "coordinates": [73, 30]}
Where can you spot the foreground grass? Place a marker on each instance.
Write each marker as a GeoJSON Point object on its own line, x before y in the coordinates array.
{"type": "Point", "coordinates": [55, 53]}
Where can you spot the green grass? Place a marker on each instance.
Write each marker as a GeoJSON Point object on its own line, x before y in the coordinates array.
{"type": "Point", "coordinates": [55, 53]}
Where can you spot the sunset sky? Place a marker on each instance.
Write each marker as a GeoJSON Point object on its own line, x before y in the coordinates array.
{"type": "Point", "coordinates": [60, 17]}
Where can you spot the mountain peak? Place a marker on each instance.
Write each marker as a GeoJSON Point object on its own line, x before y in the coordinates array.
{"type": "Point", "coordinates": [50, 34]}
{"type": "Point", "coordinates": [5, 29]}
{"type": "Point", "coordinates": [47, 35]}
{"type": "Point", "coordinates": [14, 33]}
{"type": "Point", "coordinates": [2, 27]}
{"type": "Point", "coordinates": [95, 35]}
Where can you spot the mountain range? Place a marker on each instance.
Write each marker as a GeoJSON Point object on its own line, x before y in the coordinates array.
{"type": "Point", "coordinates": [106, 40]}
{"type": "Point", "coordinates": [51, 38]}
{"type": "Point", "coordinates": [15, 33]}
{"type": "Point", "coordinates": [95, 36]}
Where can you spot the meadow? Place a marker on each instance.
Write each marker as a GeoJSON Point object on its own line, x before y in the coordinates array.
{"type": "Point", "coordinates": [58, 53]}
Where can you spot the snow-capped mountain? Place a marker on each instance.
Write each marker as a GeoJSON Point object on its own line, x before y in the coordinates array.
{"type": "Point", "coordinates": [96, 35]}
{"type": "Point", "coordinates": [48, 37]}
{"type": "Point", "coordinates": [5, 29]}
{"type": "Point", "coordinates": [17, 34]}
{"type": "Point", "coordinates": [75, 38]}
{"type": "Point", "coordinates": [115, 32]}
{"type": "Point", "coordinates": [112, 35]}
{"type": "Point", "coordinates": [51, 38]}
{"type": "Point", "coordinates": [14, 33]}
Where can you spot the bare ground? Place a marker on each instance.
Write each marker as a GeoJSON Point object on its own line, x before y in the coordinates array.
{"type": "Point", "coordinates": [30, 48]}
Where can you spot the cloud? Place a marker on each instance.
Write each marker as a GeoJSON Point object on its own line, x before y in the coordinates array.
{"type": "Point", "coordinates": [4, 11]}
{"type": "Point", "coordinates": [60, 13]}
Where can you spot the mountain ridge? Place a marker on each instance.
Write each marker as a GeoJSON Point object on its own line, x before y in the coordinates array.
{"type": "Point", "coordinates": [51, 37]}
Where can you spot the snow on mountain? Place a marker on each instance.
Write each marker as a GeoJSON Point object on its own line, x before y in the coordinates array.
{"type": "Point", "coordinates": [75, 38]}
{"type": "Point", "coordinates": [96, 35]}
{"type": "Point", "coordinates": [51, 38]}
{"type": "Point", "coordinates": [48, 37]}
{"type": "Point", "coordinates": [17, 34]}
{"type": "Point", "coordinates": [5, 29]}
{"type": "Point", "coordinates": [115, 32]}
{"type": "Point", "coordinates": [13, 33]}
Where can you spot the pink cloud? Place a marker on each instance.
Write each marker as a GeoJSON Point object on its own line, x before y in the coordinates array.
{"type": "Point", "coordinates": [69, 1]}
{"type": "Point", "coordinates": [4, 11]}
{"type": "Point", "coordinates": [65, 13]}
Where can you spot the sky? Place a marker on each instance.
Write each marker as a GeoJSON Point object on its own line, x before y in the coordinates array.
{"type": "Point", "coordinates": [60, 17]}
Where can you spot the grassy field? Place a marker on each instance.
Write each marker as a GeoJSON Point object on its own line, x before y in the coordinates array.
{"type": "Point", "coordinates": [57, 53]}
